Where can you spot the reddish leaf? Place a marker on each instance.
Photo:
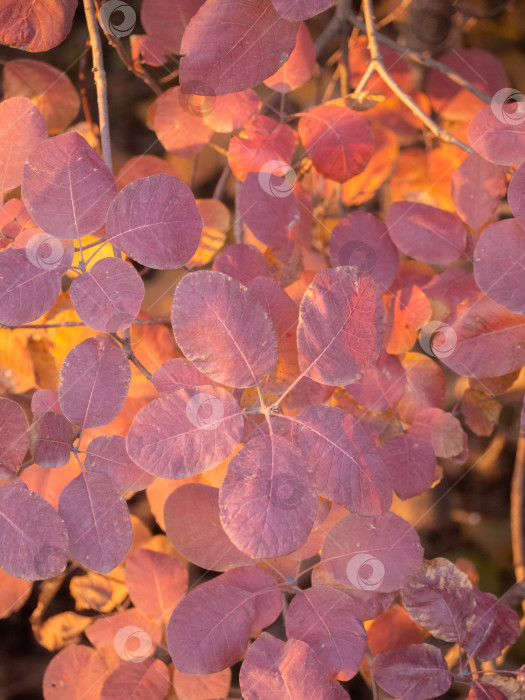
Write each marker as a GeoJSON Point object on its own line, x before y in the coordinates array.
{"type": "Point", "coordinates": [23, 125]}
{"type": "Point", "coordinates": [201, 687]}
{"type": "Point", "coordinates": [361, 240]}
{"type": "Point", "coordinates": [36, 26]}
{"type": "Point", "coordinates": [156, 221]}
{"type": "Point", "coordinates": [329, 622]}
{"type": "Point", "coordinates": [192, 523]}
{"type": "Point", "coordinates": [415, 673]}
{"type": "Point", "coordinates": [341, 326]}
{"type": "Point", "coordinates": [347, 466]}
{"type": "Point", "coordinates": [107, 455]}
{"type": "Point", "coordinates": [242, 262]}
{"type": "Point", "coordinates": [441, 599]}
{"type": "Point", "coordinates": [97, 520]}
{"type": "Point", "coordinates": [177, 374]}
{"type": "Point", "coordinates": [148, 49]}
{"type": "Point", "coordinates": [381, 387]}
{"type": "Point", "coordinates": [301, 9]}
{"type": "Point", "coordinates": [186, 432]}
{"type": "Point", "coordinates": [439, 429]}
{"type": "Point", "coordinates": [267, 499]}
{"type": "Point", "coordinates": [108, 296]}
{"type": "Point", "coordinates": [495, 626]}
{"type": "Point", "coordinates": [424, 387]}
{"type": "Point", "coordinates": [497, 137]}
{"type": "Point", "coordinates": [127, 636]}
{"type": "Point", "coordinates": [94, 397]}
{"type": "Point", "coordinates": [75, 672]}
{"type": "Point", "coordinates": [477, 190]}
{"type": "Point", "coordinates": [515, 195]}
{"type": "Point", "coordinates": [27, 289]}
{"type": "Point", "coordinates": [167, 21]}
{"type": "Point", "coordinates": [230, 112]}
{"type": "Point", "coordinates": [372, 554]}
{"type": "Point", "coordinates": [411, 463]}
{"type": "Point", "coordinates": [156, 595]}
{"type": "Point", "coordinates": [299, 66]}
{"type": "Point", "coordinates": [14, 437]}
{"type": "Point", "coordinates": [393, 630]}
{"type": "Point", "coordinates": [67, 188]}
{"type": "Point", "coordinates": [407, 310]}
{"type": "Point", "coordinates": [14, 592]}
{"type": "Point", "coordinates": [142, 166]}
{"type": "Point", "coordinates": [149, 680]}
{"type": "Point", "coordinates": [33, 540]}
{"type": "Point", "coordinates": [269, 600]}
{"type": "Point", "coordinates": [485, 692]}
{"type": "Point", "coordinates": [481, 411]}
{"type": "Point", "coordinates": [51, 437]}
{"type": "Point", "coordinates": [263, 146]}
{"type": "Point", "coordinates": [249, 52]}
{"type": "Point", "coordinates": [239, 347]}
{"type": "Point", "coordinates": [426, 233]}
{"type": "Point", "coordinates": [497, 266]}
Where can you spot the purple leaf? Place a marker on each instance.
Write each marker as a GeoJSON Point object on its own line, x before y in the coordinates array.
{"type": "Point", "coordinates": [496, 137]}
{"type": "Point", "coordinates": [301, 9]}
{"type": "Point", "coordinates": [148, 679]}
{"type": "Point", "coordinates": [515, 195]}
{"type": "Point", "coordinates": [33, 539]}
{"type": "Point", "coordinates": [372, 554]}
{"type": "Point", "coordinates": [108, 296]}
{"type": "Point", "coordinates": [477, 188]}
{"type": "Point", "coordinates": [417, 672]}
{"type": "Point", "coordinates": [107, 455]}
{"type": "Point", "coordinates": [14, 437]}
{"type": "Point", "coordinates": [45, 400]}
{"type": "Point", "coordinates": [269, 599]}
{"type": "Point", "coordinates": [234, 342]}
{"type": "Point", "coordinates": [177, 374]}
{"type": "Point", "coordinates": [242, 262]}
{"type": "Point", "coordinates": [95, 395]}
{"type": "Point", "coordinates": [66, 186]}
{"type": "Point", "coordinates": [341, 326]}
{"type": "Point", "coordinates": [381, 387]}
{"type": "Point", "coordinates": [36, 26]}
{"type": "Point", "coordinates": [329, 621]}
{"type": "Point", "coordinates": [411, 463]}
{"type": "Point", "coordinates": [97, 520]}
{"type": "Point", "coordinates": [51, 437]}
{"type": "Point", "coordinates": [185, 433]}
{"type": "Point", "coordinates": [23, 125]}
{"type": "Point", "coordinates": [440, 598]}
{"type": "Point", "coordinates": [495, 626]}
{"type": "Point", "coordinates": [267, 499]}
{"type": "Point", "coordinates": [155, 220]}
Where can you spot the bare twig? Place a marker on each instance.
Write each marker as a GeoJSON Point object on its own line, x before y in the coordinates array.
{"type": "Point", "coordinates": [517, 508]}
{"type": "Point", "coordinates": [73, 324]}
{"type": "Point", "coordinates": [83, 91]}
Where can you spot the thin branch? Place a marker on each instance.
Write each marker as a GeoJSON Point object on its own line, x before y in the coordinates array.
{"type": "Point", "coordinates": [221, 182]}
{"type": "Point", "coordinates": [73, 324]}
{"type": "Point", "coordinates": [83, 91]}
{"type": "Point", "coordinates": [131, 356]}
{"type": "Point", "coordinates": [517, 510]}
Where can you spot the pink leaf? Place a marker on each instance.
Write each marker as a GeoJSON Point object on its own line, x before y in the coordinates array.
{"type": "Point", "coordinates": [36, 26]}
{"type": "Point", "coordinates": [301, 9]}
{"type": "Point", "coordinates": [485, 692]}
{"type": "Point", "coordinates": [107, 455]}
{"type": "Point", "coordinates": [338, 140]}
{"type": "Point", "coordinates": [515, 195]}
{"type": "Point", "coordinates": [230, 112]}
{"type": "Point", "coordinates": [440, 429]}
{"type": "Point", "coordinates": [95, 396]}
{"type": "Point", "coordinates": [440, 598]}
{"type": "Point", "coordinates": [45, 400]}
{"type": "Point", "coordinates": [411, 463]}
{"type": "Point", "coordinates": [242, 262]}
{"type": "Point", "coordinates": [495, 626]}
{"type": "Point", "coordinates": [496, 136]}
{"type": "Point", "coordinates": [299, 67]}
{"type": "Point", "coordinates": [33, 539]}
{"type": "Point", "coordinates": [497, 267]}
{"type": "Point", "coordinates": [341, 326]}
{"type": "Point", "coordinates": [23, 125]}
{"type": "Point", "coordinates": [142, 166]}
{"type": "Point", "coordinates": [108, 296]}
{"type": "Point", "coordinates": [127, 636]}
{"type": "Point", "coordinates": [381, 387]}
{"type": "Point", "coordinates": [477, 190]}
{"type": "Point", "coordinates": [329, 622]}
{"type": "Point", "coordinates": [414, 673]}
{"type": "Point", "coordinates": [14, 437]}
{"type": "Point", "coordinates": [186, 432]}
{"type": "Point", "coordinates": [77, 671]}
{"type": "Point", "coordinates": [251, 49]}
{"type": "Point", "coordinates": [177, 374]}
{"type": "Point", "coordinates": [51, 437]}
{"type": "Point", "coordinates": [194, 508]}
{"type": "Point", "coordinates": [426, 233]}
{"type": "Point", "coordinates": [267, 499]}
{"type": "Point", "coordinates": [149, 680]}
{"type": "Point", "coordinates": [156, 221]}
{"type": "Point", "coordinates": [97, 520]}
{"type": "Point", "coordinates": [66, 187]}
{"type": "Point", "coordinates": [269, 599]}
{"type": "Point", "coordinates": [167, 21]}
{"type": "Point", "coordinates": [372, 554]}
{"type": "Point", "coordinates": [239, 347]}
{"type": "Point", "coordinates": [424, 387]}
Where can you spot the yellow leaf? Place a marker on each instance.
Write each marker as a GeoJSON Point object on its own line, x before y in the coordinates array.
{"type": "Point", "coordinates": [97, 592]}
{"type": "Point", "coordinates": [58, 631]}
{"type": "Point", "coordinates": [16, 366]}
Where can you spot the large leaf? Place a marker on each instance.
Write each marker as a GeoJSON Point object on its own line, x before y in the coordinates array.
{"type": "Point", "coordinates": [234, 342]}
{"type": "Point", "coordinates": [415, 673]}
{"type": "Point", "coordinates": [107, 454]}
{"type": "Point", "coordinates": [66, 186]}
{"type": "Point", "coordinates": [301, 9]}
{"type": "Point", "coordinates": [149, 679]}
{"type": "Point", "coordinates": [23, 125]}
{"type": "Point", "coordinates": [75, 672]}
{"type": "Point", "coordinates": [494, 627]}
{"type": "Point", "coordinates": [299, 66]}
{"type": "Point", "coordinates": [255, 40]}
{"type": "Point", "coordinates": [267, 499]}
{"type": "Point", "coordinates": [341, 326]}
{"type": "Point", "coordinates": [477, 188]}
{"type": "Point", "coordinates": [97, 520]}
{"type": "Point", "coordinates": [167, 20]}
{"type": "Point", "coordinates": [186, 432]}
{"type": "Point", "coordinates": [499, 139]}
{"type": "Point", "coordinates": [36, 26]}
{"type": "Point", "coordinates": [14, 437]}
{"type": "Point", "coordinates": [94, 396]}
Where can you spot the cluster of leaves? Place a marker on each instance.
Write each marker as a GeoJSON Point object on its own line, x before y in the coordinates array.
{"type": "Point", "coordinates": [274, 425]}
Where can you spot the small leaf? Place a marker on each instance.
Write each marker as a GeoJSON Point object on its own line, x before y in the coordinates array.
{"type": "Point", "coordinates": [494, 627]}
{"type": "Point", "coordinates": [411, 463]}
{"type": "Point", "coordinates": [14, 437]}
{"type": "Point", "coordinates": [22, 124]}
{"type": "Point", "coordinates": [107, 455]}
{"type": "Point", "coordinates": [51, 437]}
{"type": "Point", "coordinates": [76, 671]}
{"type": "Point", "coordinates": [36, 27]}
{"type": "Point", "coordinates": [149, 679]}
{"type": "Point", "coordinates": [299, 67]}
{"type": "Point", "coordinates": [415, 673]}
